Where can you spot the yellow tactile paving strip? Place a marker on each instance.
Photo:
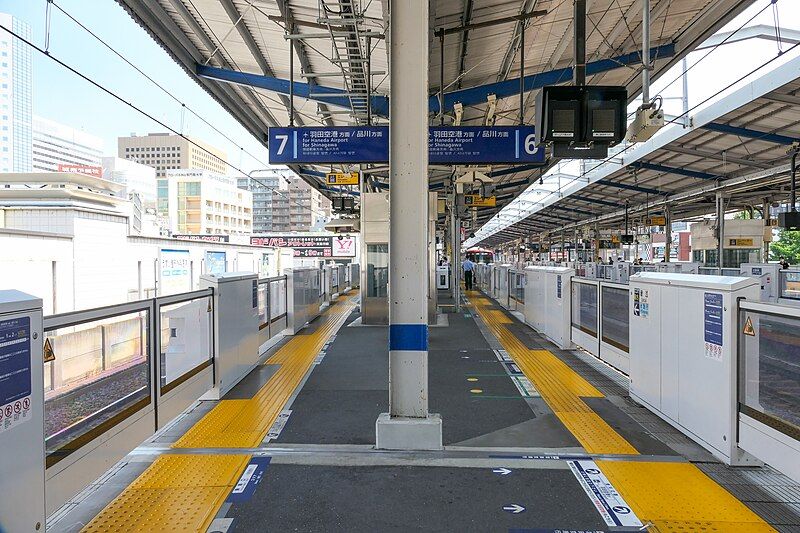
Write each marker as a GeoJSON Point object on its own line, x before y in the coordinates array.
{"type": "Point", "coordinates": [667, 497]}
{"type": "Point", "coordinates": [183, 492]}
{"type": "Point", "coordinates": [560, 386]}
{"type": "Point", "coordinates": [678, 497]}
{"type": "Point", "coordinates": [175, 493]}
{"type": "Point", "coordinates": [245, 423]}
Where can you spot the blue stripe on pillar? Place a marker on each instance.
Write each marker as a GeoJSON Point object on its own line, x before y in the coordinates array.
{"type": "Point", "coordinates": [409, 337]}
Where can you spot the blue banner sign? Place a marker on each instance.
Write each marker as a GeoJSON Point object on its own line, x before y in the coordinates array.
{"type": "Point", "coordinates": [455, 145]}
{"type": "Point", "coordinates": [341, 144]}
{"type": "Point", "coordinates": [461, 145]}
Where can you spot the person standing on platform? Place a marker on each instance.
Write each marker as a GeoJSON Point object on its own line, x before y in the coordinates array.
{"type": "Point", "coordinates": [469, 268]}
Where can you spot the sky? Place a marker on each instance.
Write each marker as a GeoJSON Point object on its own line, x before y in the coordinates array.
{"type": "Point", "coordinates": [64, 97]}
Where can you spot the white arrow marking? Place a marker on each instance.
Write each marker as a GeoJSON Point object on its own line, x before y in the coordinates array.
{"type": "Point", "coordinates": [502, 471]}
{"type": "Point", "coordinates": [514, 508]}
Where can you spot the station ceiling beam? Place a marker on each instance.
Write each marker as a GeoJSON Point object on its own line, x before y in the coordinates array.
{"type": "Point", "coordinates": [750, 133]}
{"type": "Point", "coordinates": [471, 96]}
{"type": "Point", "coordinates": [689, 173]}
{"type": "Point", "coordinates": [572, 210]}
{"type": "Point", "coordinates": [629, 187]}
{"type": "Point", "coordinates": [302, 55]}
{"type": "Point", "coordinates": [238, 21]}
{"type": "Point", "coordinates": [593, 200]}
{"type": "Point", "coordinates": [685, 150]}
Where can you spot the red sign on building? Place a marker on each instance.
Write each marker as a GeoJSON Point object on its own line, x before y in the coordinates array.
{"type": "Point", "coordinates": [88, 170]}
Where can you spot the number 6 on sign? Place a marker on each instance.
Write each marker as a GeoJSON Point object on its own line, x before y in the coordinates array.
{"type": "Point", "coordinates": [530, 144]}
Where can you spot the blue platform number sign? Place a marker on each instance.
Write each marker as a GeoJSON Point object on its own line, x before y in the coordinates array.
{"type": "Point", "coordinates": [15, 372]}
{"type": "Point", "coordinates": [342, 144]}
{"type": "Point", "coordinates": [712, 325]}
{"type": "Point", "coordinates": [483, 144]}
{"type": "Point", "coordinates": [457, 145]}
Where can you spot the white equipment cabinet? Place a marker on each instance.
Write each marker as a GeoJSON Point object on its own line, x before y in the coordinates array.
{"type": "Point", "coordinates": [22, 413]}
{"type": "Point", "coordinates": [235, 326]}
{"type": "Point", "coordinates": [548, 302]}
{"type": "Point", "coordinates": [683, 330]}
{"type": "Point", "coordinates": [767, 276]}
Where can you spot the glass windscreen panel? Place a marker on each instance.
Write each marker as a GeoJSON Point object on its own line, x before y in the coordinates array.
{"type": "Point", "coordinates": [185, 338]}
{"type": "Point", "coordinates": [517, 291]}
{"type": "Point", "coordinates": [377, 270]}
{"type": "Point", "coordinates": [263, 303]}
{"type": "Point", "coordinates": [101, 372]}
{"type": "Point", "coordinates": [615, 317]}
{"type": "Point", "coordinates": [584, 307]}
{"type": "Point", "coordinates": [790, 284]}
{"type": "Point", "coordinates": [769, 386]}
{"type": "Point", "coordinates": [277, 298]}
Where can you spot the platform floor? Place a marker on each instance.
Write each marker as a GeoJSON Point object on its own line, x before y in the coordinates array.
{"type": "Point", "coordinates": [536, 439]}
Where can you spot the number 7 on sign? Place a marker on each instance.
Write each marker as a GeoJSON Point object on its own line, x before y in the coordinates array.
{"type": "Point", "coordinates": [284, 139]}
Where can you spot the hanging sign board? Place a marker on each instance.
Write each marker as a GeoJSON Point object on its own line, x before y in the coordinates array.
{"type": "Point", "coordinates": [341, 178]}
{"type": "Point", "coordinates": [657, 221]}
{"type": "Point", "coordinates": [476, 200]}
{"type": "Point", "coordinates": [740, 242]}
{"type": "Point", "coordinates": [370, 144]}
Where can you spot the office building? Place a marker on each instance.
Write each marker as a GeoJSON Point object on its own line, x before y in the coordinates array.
{"type": "Point", "coordinates": [57, 147]}
{"type": "Point", "coordinates": [284, 202]}
{"type": "Point", "coordinates": [202, 202]}
{"type": "Point", "coordinates": [270, 199]}
{"type": "Point", "coordinates": [15, 97]}
{"type": "Point", "coordinates": [308, 208]}
{"type": "Point", "coordinates": [165, 152]}
{"type": "Point", "coordinates": [137, 178]}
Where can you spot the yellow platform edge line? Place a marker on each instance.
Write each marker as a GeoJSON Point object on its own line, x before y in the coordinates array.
{"type": "Point", "coordinates": [183, 492]}
{"type": "Point", "coordinates": [679, 497]}
{"type": "Point", "coordinates": [175, 493]}
{"type": "Point", "coordinates": [560, 387]}
{"type": "Point", "coordinates": [245, 423]}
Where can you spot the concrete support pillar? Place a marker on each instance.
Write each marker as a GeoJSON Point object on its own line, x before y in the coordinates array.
{"type": "Point", "coordinates": [408, 425]}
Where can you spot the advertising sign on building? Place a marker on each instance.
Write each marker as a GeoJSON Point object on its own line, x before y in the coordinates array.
{"type": "Point", "coordinates": [344, 247]}
{"type": "Point", "coordinates": [204, 238]}
{"type": "Point", "coordinates": [309, 245]}
{"type": "Point", "coordinates": [88, 170]}
{"type": "Point", "coordinates": [175, 272]}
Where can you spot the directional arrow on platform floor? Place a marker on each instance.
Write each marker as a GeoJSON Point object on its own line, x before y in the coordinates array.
{"type": "Point", "coordinates": [502, 471]}
{"type": "Point", "coordinates": [514, 508]}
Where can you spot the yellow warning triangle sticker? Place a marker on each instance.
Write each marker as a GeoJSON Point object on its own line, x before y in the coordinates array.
{"type": "Point", "coordinates": [748, 327]}
{"type": "Point", "coordinates": [49, 354]}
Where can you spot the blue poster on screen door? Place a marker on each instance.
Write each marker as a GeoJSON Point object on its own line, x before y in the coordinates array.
{"type": "Point", "coordinates": [15, 372]}
{"type": "Point", "coordinates": [712, 325]}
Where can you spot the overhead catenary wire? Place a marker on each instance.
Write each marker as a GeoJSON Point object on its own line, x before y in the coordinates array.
{"type": "Point", "coordinates": [141, 111]}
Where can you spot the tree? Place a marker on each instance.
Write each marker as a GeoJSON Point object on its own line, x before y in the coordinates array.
{"type": "Point", "coordinates": [787, 245]}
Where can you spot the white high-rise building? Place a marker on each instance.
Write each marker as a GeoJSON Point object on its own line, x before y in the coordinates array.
{"type": "Point", "coordinates": [136, 178]}
{"type": "Point", "coordinates": [202, 202]}
{"type": "Point", "coordinates": [55, 144]}
{"type": "Point", "coordinates": [16, 97]}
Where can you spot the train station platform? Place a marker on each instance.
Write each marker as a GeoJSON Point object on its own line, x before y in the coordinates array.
{"type": "Point", "coordinates": [535, 439]}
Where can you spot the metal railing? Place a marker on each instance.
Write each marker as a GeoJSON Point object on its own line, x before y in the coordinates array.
{"type": "Point", "coordinates": [769, 365]}
{"type": "Point", "coordinates": [112, 362]}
